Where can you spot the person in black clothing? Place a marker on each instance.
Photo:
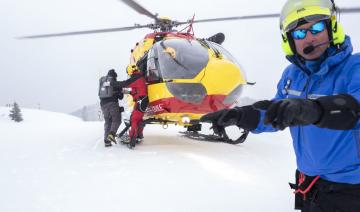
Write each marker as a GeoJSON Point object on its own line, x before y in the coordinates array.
{"type": "Point", "coordinates": [109, 96]}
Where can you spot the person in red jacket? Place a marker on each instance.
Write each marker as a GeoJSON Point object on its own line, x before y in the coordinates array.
{"type": "Point", "coordinates": [136, 87]}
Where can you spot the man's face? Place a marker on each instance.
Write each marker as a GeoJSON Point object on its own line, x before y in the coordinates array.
{"type": "Point", "coordinates": [311, 39]}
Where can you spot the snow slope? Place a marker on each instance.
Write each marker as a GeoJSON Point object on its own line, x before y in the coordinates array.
{"type": "Point", "coordinates": [55, 162]}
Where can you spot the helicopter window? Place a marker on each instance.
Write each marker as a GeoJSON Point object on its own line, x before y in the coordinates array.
{"type": "Point", "coordinates": [233, 96]}
{"type": "Point", "coordinates": [152, 73]}
{"type": "Point", "coordinates": [180, 58]}
{"type": "Point", "coordinates": [188, 92]}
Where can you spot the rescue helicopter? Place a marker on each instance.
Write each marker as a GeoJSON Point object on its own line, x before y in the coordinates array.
{"type": "Point", "coordinates": [186, 76]}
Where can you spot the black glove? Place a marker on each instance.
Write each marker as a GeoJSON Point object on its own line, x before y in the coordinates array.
{"type": "Point", "coordinates": [245, 117]}
{"type": "Point", "coordinates": [213, 119]}
{"type": "Point", "coordinates": [290, 112]}
{"type": "Point", "coordinates": [340, 112]}
{"type": "Point", "coordinates": [333, 112]}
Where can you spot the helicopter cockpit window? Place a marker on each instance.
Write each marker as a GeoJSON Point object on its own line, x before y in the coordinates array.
{"type": "Point", "coordinates": [179, 58]}
{"type": "Point", "coordinates": [152, 71]}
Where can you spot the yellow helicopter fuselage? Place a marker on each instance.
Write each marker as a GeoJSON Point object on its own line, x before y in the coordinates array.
{"type": "Point", "coordinates": [186, 77]}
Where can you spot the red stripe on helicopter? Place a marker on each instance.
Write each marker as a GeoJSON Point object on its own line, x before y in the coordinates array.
{"type": "Point", "coordinates": [210, 103]}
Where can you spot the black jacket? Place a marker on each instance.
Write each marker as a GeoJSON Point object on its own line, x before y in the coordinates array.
{"type": "Point", "coordinates": [115, 98]}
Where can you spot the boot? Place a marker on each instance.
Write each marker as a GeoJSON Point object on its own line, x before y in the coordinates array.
{"type": "Point", "coordinates": [111, 138]}
{"type": "Point", "coordinates": [139, 138]}
{"type": "Point", "coordinates": [132, 142]}
{"type": "Point", "coordinates": [107, 143]}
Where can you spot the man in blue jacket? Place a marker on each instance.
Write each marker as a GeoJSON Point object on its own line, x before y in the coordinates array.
{"type": "Point", "coordinates": [321, 88]}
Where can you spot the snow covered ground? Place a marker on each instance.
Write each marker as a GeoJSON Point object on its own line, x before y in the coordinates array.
{"type": "Point", "coordinates": [55, 162]}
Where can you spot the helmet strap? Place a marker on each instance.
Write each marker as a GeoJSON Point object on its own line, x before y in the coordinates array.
{"type": "Point", "coordinates": [330, 30]}
{"type": "Point", "coordinates": [291, 43]}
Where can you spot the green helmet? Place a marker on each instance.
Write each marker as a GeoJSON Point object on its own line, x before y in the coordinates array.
{"type": "Point", "coordinates": [308, 10]}
{"type": "Point", "coordinates": [296, 12]}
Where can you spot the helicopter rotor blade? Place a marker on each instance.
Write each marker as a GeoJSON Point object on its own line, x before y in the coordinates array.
{"type": "Point", "coordinates": [140, 9]}
{"type": "Point", "coordinates": [85, 32]}
{"type": "Point", "coordinates": [350, 10]}
{"type": "Point", "coordinates": [273, 15]}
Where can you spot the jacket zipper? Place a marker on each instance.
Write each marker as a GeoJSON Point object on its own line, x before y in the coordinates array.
{"type": "Point", "coordinates": [307, 86]}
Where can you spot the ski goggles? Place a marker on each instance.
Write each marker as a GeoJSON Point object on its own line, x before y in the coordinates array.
{"type": "Point", "coordinates": [316, 28]}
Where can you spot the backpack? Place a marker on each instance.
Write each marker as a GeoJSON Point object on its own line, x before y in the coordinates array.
{"type": "Point", "coordinates": [106, 91]}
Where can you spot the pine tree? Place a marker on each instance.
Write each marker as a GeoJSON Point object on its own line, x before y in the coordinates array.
{"type": "Point", "coordinates": [15, 113]}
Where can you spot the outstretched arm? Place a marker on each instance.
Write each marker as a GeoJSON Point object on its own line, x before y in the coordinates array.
{"type": "Point", "coordinates": [340, 112]}
{"type": "Point", "coordinates": [125, 83]}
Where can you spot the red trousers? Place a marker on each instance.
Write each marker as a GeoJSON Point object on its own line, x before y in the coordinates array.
{"type": "Point", "coordinates": [136, 124]}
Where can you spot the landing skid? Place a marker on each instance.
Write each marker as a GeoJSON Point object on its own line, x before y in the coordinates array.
{"type": "Point", "coordinates": [214, 137]}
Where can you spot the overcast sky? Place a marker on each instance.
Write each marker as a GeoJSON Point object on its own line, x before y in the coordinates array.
{"type": "Point", "coordinates": [61, 74]}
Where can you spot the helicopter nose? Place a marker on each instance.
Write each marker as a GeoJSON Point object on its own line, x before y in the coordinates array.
{"type": "Point", "coordinates": [223, 81]}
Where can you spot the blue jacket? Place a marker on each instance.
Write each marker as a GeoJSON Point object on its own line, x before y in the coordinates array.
{"type": "Point", "coordinates": [332, 154]}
